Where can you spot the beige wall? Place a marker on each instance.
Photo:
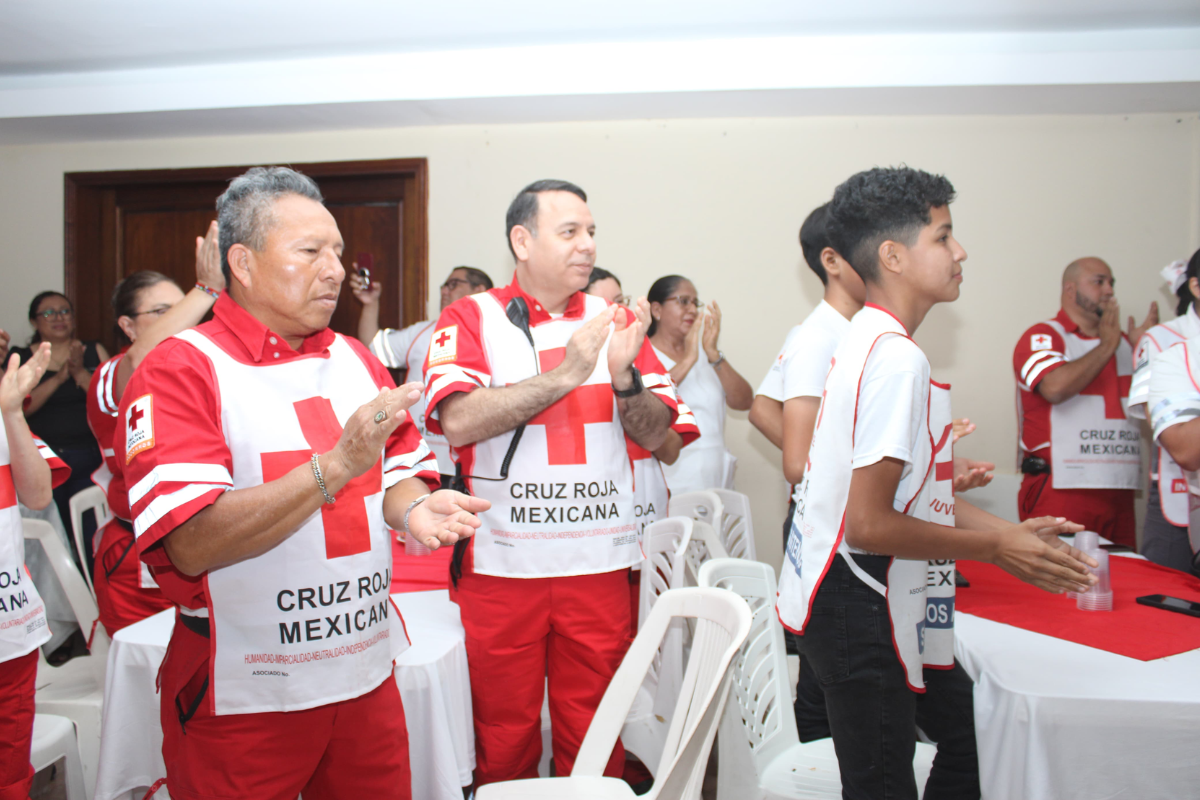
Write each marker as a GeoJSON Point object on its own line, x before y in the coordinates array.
{"type": "Point", "coordinates": [721, 201]}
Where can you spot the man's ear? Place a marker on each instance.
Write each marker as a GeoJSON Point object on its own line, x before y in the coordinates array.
{"type": "Point", "coordinates": [891, 256]}
{"type": "Point", "coordinates": [241, 259]}
{"type": "Point", "coordinates": [521, 239]}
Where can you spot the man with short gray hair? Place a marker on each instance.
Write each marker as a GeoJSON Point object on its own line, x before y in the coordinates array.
{"type": "Point", "coordinates": [267, 458]}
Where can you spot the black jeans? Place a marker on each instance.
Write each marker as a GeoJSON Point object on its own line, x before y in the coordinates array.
{"type": "Point", "coordinates": [873, 714]}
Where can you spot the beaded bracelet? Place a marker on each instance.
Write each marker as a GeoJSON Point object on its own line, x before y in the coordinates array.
{"type": "Point", "coordinates": [211, 292]}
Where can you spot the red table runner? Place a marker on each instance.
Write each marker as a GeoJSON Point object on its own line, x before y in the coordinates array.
{"type": "Point", "coordinates": [1130, 629]}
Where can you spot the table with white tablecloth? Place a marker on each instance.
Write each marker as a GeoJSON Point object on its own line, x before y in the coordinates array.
{"type": "Point", "coordinates": [432, 676]}
{"type": "Point", "coordinates": [1058, 720]}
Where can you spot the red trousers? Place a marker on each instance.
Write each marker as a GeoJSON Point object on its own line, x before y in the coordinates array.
{"type": "Point", "coordinates": [118, 580]}
{"type": "Point", "coordinates": [18, 680]}
{"type": "Point", "coordinates": [1108, 512]}
{"type": "Point", "coordinates": [522, 631]}
{"type": "Point", "coordinates": [351, 749]}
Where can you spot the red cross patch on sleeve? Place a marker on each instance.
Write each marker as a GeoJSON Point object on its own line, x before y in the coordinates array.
{"type": "Point", "coordinates": [443, 348]}
{"type": "Point", "coordinates": [139, 427]}
{"type": "Point", "coordinates": [1040, 341]}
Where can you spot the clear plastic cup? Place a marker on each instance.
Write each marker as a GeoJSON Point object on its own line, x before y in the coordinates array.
{"type": "Point", "coordinates": [1087, 542]}
{"type": "Point", "coordinates": [414, 548]}
{"type": "Point", "coordinates": [1100, 596]}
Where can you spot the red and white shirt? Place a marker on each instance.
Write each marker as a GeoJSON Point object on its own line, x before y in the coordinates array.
{"type": "Point", "coordinates": [1088, 440]}
{"type": "Point", "coordinates": [22, 612]}
{"type": "Point", "coordinates": [566, 506]}
{"type": "Point", "coordinates": [229, 405]}
{"type": "Point", "coordinates": [407, 349]}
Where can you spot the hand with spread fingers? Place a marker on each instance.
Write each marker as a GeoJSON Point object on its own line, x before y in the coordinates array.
{"type": "Point", "coordinates": [1033, 552]}
{"type": "Point", "coordinates": [969, 474]}
{"type": "Point", "coordinates": [208, 258]}
{"type": "Point", "coordinates": [19, 379]}
{"type": "Point", "coordinates": [445, 517]}
{"type": "Point", "coordinates": [367, 431]}
{"type": "Point", "coordinates": [963, 427]}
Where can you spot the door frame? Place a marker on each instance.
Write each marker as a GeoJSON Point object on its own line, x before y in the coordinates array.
{"type": "Point", "coordinates": [83, 191]}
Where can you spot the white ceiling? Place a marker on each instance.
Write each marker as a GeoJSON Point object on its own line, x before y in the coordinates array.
{"type": "Point", "coordinates": [77, 69]}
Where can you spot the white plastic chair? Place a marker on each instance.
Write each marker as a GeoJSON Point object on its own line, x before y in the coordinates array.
{"type": "Point", "coordinates": [74, 690]}
{"type": "Point", "coordinates": [54, 738]}
{"type": "Point", "coordinates": [722, 622]}
{"type": "Point", "coordinates": [707, 513]}
{"type": "Point", "coordinates": [90, 498]}
{"type": "Point", "coordinates": [736, 529]}
{"type": "Point", "coordinates": [645, 732]}
{"type": "Point", "coordinates": [761, 755]}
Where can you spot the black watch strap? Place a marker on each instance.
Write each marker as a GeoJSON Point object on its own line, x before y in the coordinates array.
{"type": "Point", "coordinates": [632, 390]}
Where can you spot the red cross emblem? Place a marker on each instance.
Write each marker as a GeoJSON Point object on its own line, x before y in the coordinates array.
{"type": "Point", "coordinates": [565, 419]}
{"type": "Point", "coordinates": [442, 339]}
{"type": "Point", "coordinates": [1112, 388]}
{"type": "Point", "coordinates": [135, 416]}
{"type": "Point", "coordinates": [347, 529]}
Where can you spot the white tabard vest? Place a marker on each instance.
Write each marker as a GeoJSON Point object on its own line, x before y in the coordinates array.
{"type": "Point", "coordinates": [818, 525]}
{"type": "Point", "coordinates": [1172, 482]}
{"type": "Point", "coordinates": [939, 596]}
{"type": "Point", "coordinates": [295, 627]}
{"type": "Point", "coordinates": [1087, 449]}
{"type": "Point", "coordinates": [22, 612]}
{"type": "Point", "coordinates": [567, 505]}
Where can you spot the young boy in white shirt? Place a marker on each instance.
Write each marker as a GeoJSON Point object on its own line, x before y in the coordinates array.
{"type": "Point", "coordinates": [853, 586]}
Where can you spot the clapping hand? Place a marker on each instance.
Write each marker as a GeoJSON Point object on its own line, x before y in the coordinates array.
{"type": "Point", "coordinates": [367, 431]}
{"type": "Point", "coordinates": [208, 259]}
{"type": "Point", "coordinates": [970, 474]}
{"type": "Point", "coordinates": [446, 517]}
{"type": "Point", "coordinates": [627, 337]}
{"type": "Point", "coordinates": [712, 329]}
{"type": "Point", "coordinates": [1135, 331]}
{"type": "Point", "coordinates": [19, 379]}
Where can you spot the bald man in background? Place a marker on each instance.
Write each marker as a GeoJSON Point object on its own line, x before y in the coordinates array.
{"type": "Point", "coordinates": [1080, 452]}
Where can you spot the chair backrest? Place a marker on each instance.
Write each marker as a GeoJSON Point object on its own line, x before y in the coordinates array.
{"type": "Point", "coordinates": [90, 498]}
{"type": "Point", "coordinates": [736, 529]}
{"type": "Point", "coordinates": [665, 542]}
{"type": "Point", "coordinates": [705, 506]}
{"type": "Point", "coordinates": [704, 545]}
{"type": "Point", "coordinates": [722, 623]}
{"type": "Point", "coordinates": [708, 512]}
{"type": "Point", "coordinates": [83, 605]}
{"type": "Point", "coordinates": [761, 700]}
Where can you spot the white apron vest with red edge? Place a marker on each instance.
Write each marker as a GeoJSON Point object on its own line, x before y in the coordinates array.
{"type": "Point", "coordinates": [939, 595]}
{"type": "Point", "coordinates": [818, 525]}
{"type": "Point", "coordinates": [567, 505]}
{"type": "Point", "coordinates": [1092, 447]}
{"type": "Point", "coordinates": [1171, 478]}
{"type": "Point", "coordinates": [22, 612]}
{"type": "Point", "coordinates": [310, 621]}
{"type": "Point", "coordinates": [650, 492]}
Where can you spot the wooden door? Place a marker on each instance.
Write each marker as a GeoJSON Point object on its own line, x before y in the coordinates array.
{"type": "Point", "coordinates": [118, 223]}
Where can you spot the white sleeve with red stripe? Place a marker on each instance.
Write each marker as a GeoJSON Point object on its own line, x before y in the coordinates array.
{"type": "Point", "coordinates": [1174, 396]}
{"type": "Point", "coordinates": [1148, 349]}
{"type": "Point", "coordinates": [391, 345]}
{"type": "Point", "coordinates": [460, 366]}
{"type": "Point", "coordinates": [106, 396]}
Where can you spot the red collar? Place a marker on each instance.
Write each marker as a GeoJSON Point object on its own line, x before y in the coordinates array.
{"type": "Point", "coordinates": [259, 340]}
{"type": "Point", "coordinates": [537, 312]}
{"type": "Point", "coordinates": [878, 307]}
{"type": "Point", "coordinates": [1062, 318]}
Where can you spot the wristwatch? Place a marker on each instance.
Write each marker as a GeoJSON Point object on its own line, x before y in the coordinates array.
{"type": "Point", "coordinates": [632, 390]}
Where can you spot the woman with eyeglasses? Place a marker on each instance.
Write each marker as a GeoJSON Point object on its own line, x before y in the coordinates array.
{"type": "Point", "coordinates": [603, 283]}
{"type": "Point", "coordinates": [149, 307]}
{"type": "Point", "coordinates": [56, 409]}
{"type": "Point", "coordinates": [686, 343]}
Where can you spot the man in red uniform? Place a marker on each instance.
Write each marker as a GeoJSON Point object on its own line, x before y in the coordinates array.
{"type": "Point", "coordinates": [536, 386]}
{"type": "Point", "coordinates": [1080, 453]}
{"type": "Point", "coordinates": [266, 457]}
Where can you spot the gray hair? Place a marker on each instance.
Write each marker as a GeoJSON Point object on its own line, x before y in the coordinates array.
{"type": "Point", "coordinates": [244, 210]}
{"type": "Point", "coordinates": [524, 208]}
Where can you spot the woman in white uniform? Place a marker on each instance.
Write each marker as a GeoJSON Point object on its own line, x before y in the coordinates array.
{"type": "Point", "coordinates": [687, 347]}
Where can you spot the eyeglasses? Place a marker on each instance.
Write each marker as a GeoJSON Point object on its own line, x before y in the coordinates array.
{"type": "Point", "coordinates": [50, 313]}
{"type": "Point", "coordinates": [684, 300]}
{"type": "Point", "coordinates": [158, 312]}
{"type": "Point", "coordinates": [452, 283]}
{"type": "Point", "coordinates": [623, 300]}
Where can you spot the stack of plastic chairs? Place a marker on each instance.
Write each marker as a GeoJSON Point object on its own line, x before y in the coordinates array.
{"type": "Point", "coordinates": [722, 623]}
{"type": "Point", "coordinates": [90, 499]}
{"type": "Point", "coordinates": [735, 527]}
{"type": "Point", "coordinates": [761, 755]}
{"type": "Point", "coordinates": [74, 690]}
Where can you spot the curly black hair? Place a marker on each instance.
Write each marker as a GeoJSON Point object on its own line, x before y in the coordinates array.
{"type": "Point", "coordinates": [879, 204]}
